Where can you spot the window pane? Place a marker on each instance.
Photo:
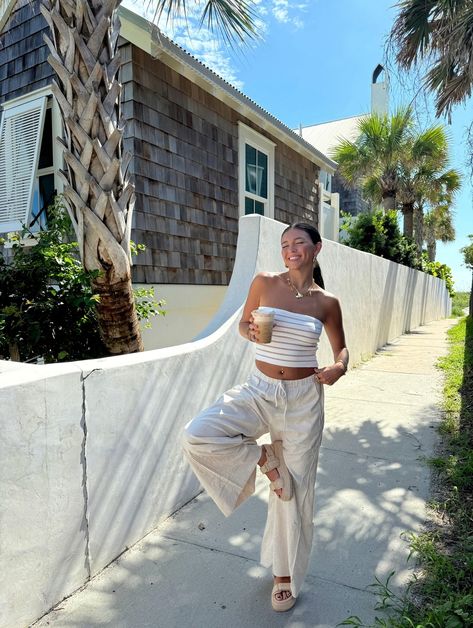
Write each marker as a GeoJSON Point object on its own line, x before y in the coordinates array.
{"type": "Point", "coordinates": [46, 154]}
{"type": "Point", "coordinates": [256, 172]}
{"type": "Point", "coordinates": [259, 208]}
{"type": "Point", "coordinates": [262, 175]}
{"type": "Point", "coordinates": [253, 207]}
{"type": "Point", "coordinates": [250, 156]}
{"type": "Point", "coordinates": [42, 197]}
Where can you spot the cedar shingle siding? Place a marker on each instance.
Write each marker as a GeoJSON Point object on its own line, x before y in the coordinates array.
{"type": "Point", "coordinates": [23, 54]}
{"type": "Point", "coordinates": [184, 143]}
{"type": "Point", "coordinates": [185, 146]}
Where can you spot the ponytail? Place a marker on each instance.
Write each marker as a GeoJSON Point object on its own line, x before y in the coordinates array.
{"type": "Point", "coordinates": [317, 275]}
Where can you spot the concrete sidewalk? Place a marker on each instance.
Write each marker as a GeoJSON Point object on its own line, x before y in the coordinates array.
{"type": "Point", "coordinates": [201, 570]}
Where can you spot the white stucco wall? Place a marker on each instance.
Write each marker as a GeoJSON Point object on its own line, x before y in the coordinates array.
{"type": "Point", "coordinates": [90, 457]}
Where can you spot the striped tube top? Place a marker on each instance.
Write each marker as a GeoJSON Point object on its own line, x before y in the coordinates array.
{"type": "Point", "coordinates": [294, 341]}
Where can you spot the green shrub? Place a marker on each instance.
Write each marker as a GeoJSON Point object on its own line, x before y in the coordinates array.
{"type": "Point", "coordinates": [47, 305]}
{"type": "Point", "coordinates": [378, 232]}
{"type": "Point", "coordinates": [437, 269]}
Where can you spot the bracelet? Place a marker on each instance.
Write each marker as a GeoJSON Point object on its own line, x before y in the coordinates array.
{"type": "Point", "coordinates": [345, 366]}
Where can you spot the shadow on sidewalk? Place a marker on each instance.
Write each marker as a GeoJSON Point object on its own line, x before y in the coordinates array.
{"type": "Point", "coordinates": [202, 569]}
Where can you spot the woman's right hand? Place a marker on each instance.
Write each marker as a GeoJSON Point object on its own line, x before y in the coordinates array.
{"type": "Point", "coordinates": [253, 330]}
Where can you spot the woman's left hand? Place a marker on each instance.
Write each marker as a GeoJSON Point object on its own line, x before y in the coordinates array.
{"type": "Point", "coordinates": [328, 375]}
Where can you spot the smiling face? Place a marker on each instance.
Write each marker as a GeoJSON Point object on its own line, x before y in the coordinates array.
{"type": "Point", "coordinates": [297, 249]}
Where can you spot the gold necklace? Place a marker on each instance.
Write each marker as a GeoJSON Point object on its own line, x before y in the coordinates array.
{"type": "Point", "coordinates": [300, 295]}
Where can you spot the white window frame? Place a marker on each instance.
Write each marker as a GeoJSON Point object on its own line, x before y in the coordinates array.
{"type": "Point", "coordinates": [42, 97]}
{"type": "Point", "coordinates": [246, 135]}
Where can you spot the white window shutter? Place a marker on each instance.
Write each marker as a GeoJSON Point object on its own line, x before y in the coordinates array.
{"type": "Point", "coordinates": [20, 140]}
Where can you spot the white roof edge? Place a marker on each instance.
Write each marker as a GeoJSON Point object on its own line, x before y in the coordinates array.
{"type": "Point", "coordinates": [327, 122]}
{"type": "Point", "coordinates": [147, 36]}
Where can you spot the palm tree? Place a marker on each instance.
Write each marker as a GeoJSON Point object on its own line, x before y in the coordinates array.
{"type": "Point", "coordinates": [439, 195]}
{"type": "Point", "coordinates": [100, 196]}
{"type": "Point", "coordinates": [439, 33]}
{"type": "Point", "coordinates": [438, 225]}
{"type": "Point", "coordinates": [373, 158]}
{"type": "Point", "coordinates": [423, 155]}
{"type": "Point", "coordinates": [424, 179]}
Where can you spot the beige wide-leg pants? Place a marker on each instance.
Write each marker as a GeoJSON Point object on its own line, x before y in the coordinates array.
{"type": "Point", "coordinates": [220, 444]}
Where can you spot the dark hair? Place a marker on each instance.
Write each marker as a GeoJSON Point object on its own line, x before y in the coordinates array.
{"type": "Point", "coordinates": [314, 235]}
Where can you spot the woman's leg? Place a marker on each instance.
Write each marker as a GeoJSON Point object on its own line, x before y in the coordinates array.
{"type": "Point", "coordinates": [220, 444]}
{"type": "Point", "coordinates": [288, 534]}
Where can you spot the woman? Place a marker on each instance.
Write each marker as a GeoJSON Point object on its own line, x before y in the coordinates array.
{"type": "Point", "coordinates": [283, 397]}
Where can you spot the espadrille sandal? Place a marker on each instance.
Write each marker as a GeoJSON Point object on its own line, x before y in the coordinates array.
{"type": "Point", "coordinates": [272, 462]}
{"type": "Point", "coordinates": [274, 456]}
{"type": "Point", "coordinates": [288, 602]}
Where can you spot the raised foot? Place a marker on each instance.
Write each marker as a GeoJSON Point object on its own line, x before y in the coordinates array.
{"type": "Point", "coordinates": [273, 465]}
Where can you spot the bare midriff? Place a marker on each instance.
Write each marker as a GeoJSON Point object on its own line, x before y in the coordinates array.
{"type": "Point", "coordinates": [283, 372]}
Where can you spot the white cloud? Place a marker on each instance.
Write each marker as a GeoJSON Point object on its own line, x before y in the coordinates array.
{"type": "Point", "coordinates": [286, 12]}
{"type": "Point", "coordinates": [208, 47]}
{"type": "Point", "coordinates": [194, 38]}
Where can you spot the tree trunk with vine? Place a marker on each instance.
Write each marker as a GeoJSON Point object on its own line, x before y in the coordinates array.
{"type": "Point", "coordinates": [99, 194]}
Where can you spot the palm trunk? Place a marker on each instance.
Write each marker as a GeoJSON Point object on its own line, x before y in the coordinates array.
{"type": "Point", "coordinates": [115, 309]}
{"type": "Point", "coordinates": [389, 201]}
{"type": "Point", "coordinates": [99, 195]}
{"type": "Point", "coordinates": [419, 229]}
{"type": "Point", "coordinates": [408, 213]}
{"type": "Point", "coordinates": [14, 351]}
{"type": "Point", "coordinates": [432, 250]}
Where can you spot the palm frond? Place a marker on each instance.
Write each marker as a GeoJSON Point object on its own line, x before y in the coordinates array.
{"type": "Point", "coordinates": [451, 180]}
{"type": "Point", "coordinates": [431, 144]}
{"type": "Point", "coordinates": [372, 189]}
{"type": "Point", "coordinates": [351, 159]}
{"type": "Point", "coordinates": [411, 31]}
{"type": "Point", "coordinates": [234, 20]}
{"type": "Point", "coordinates": [438, 34]}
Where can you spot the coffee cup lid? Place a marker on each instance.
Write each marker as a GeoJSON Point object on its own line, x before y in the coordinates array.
{"type": "Point", "coordinates": [263, 309]}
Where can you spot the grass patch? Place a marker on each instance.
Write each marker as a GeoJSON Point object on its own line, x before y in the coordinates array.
{"type": "Point", "coordinates": [441, 593]}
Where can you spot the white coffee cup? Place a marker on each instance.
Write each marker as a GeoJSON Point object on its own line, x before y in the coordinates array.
{"type": "Point", "coordinates": [264, 318]}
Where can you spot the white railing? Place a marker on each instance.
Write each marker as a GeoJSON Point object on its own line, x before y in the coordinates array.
{"type": "Point", "coordinates": [329, 214]}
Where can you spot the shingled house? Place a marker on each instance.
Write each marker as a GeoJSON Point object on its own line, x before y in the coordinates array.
{"type": "Point", "coordinates": [203, 155]}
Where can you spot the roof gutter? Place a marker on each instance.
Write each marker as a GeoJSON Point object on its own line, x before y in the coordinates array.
{"type": "Point", "coordinates": [147, 36]}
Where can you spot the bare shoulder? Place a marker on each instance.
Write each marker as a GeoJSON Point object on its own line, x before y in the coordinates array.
{"type": "Point", "coordinates": [328, 297]}
{"type": "Point", "coordinates": [261, 284]}
{"type": "Point", "coordinates": [329, 302]}
{"type": "Point", "coordinates": [266, 278]}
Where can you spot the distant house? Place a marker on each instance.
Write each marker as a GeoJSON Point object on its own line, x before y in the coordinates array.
{"type": "Point", "coordinates": [326, 136]}
{"type": "Point", "coordinates": [203, 155]}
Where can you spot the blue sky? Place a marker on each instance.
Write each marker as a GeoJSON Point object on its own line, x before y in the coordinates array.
{"type": "Point", "coordinates": [314, 64]}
